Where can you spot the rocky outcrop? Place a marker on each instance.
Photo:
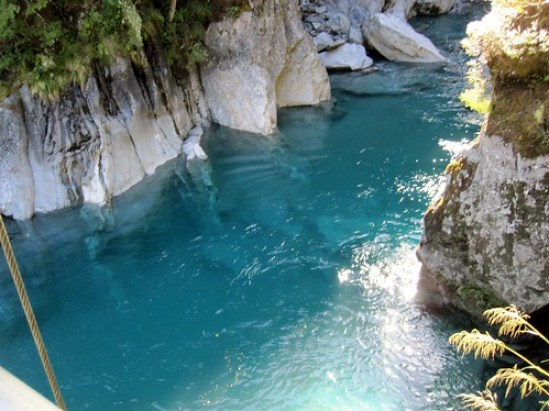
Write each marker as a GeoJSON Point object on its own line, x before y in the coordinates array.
{"type": "Point", "coordinates": [396, 40]}
{"type": "Point", "coordinates": [97, 141]}
{"type": "Point", "coordinates": [100, 139]}
{"type": "Point", "coordinates": [486, 237]}
{"type": "Point", "coordinates": [346, 56]}
{"type": "Point", "coordinates": [381, 24]}
{"type": "Point", "coordinates": [260, 61]}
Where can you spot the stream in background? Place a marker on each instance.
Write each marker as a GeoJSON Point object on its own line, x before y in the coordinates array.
{"type": "Point", "coordinates": [283, 281]}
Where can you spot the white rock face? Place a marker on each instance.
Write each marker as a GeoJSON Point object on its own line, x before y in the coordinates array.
{"type": "Point", "coordinates": [346, 56]}
{"type": "Point", "coordinates": [490, 228]}
{"type": "Point", "coordinates": [95, 143]}
{"type": "Point", "coordinates": [265, 60]}
{"type": "Point", "coordinates": [17, 194]}
{"type": "Point", "coordinates": [191, 146]}
{"type": "Point", "coordinates": [242, 97]}
{"type": "Point", "coordinates": [303, 80]}
{"type": "Point", "coordinates": [396, 40]}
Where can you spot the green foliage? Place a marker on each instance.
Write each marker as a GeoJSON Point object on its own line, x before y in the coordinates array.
{"type": "Point", "coordinates": [530, 379]}
{"type": "Point", "coordinates": [512, 41]}
{"type": "Point", "coordinates": [234, 11]}
{"type": "Point", "coordinates": [51, 44]}
{"type": "Point", "coordinates": [477, 97]}
{"type": "Point", "coordinates": [183, 38]}
{"type": "Point", "coordinates": [483, 298]}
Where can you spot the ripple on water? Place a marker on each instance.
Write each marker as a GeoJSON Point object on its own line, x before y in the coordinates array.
{"type": "Point", "coordinates": [284, 283]}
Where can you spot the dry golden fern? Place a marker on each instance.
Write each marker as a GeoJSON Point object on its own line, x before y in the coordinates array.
{"type": "Point", "coordinates": [481, 401]}
{"type": "Point", "coordinates": [514, 377]}
{"type": "Point", "coordinates": [481, 345]}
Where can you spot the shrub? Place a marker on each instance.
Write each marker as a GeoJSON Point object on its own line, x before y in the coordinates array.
{"type": "Point", "coordinates": [513, 42]}
{"type": "Point", "coordinates": [51, 44]}
{"type": "Point", "coordinates": [530, 378]}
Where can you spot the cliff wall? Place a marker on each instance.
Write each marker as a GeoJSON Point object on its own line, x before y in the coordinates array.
{"type": "Point", "coordinates": [486, 238]}
{"type": "Point", "coordinates": [259, 61]}
{"type": "Point", "coordinates": [99, 139]}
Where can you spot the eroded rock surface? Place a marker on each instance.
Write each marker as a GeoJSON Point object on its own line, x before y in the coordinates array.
{"type": "Point", "coordinates": [486, 237]}
{"type": "Point", "coordinates": [260, 61]}
{"type": "Point", "coordinates": [96, 142]}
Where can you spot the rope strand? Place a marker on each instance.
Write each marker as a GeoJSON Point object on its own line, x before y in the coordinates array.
{"type": "Point", "coordinates": [29, 313]}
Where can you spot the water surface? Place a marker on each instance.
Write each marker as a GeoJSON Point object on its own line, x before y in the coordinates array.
{"type": "Point", "coordinates": [284, 281]}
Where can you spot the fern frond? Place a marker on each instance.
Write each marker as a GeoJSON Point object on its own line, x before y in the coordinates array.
{"type": "Point", "coordinates": [513, 321]}
{"type": "Point", "coordinates": [481, 345]}
{"type": "Point", "coordinates": [481, 401]}
{"type": "Point", "coordinates": [514, 377]}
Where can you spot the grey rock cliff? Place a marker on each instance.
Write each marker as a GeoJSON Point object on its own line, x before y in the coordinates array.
{"type": "Point", "coordinates": [486, 237]}
{"type": "Point", "coordinates": [95, 142]}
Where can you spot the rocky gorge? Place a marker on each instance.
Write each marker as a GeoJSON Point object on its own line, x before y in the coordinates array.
{"type": "Point", "coordinates": [102, 138]}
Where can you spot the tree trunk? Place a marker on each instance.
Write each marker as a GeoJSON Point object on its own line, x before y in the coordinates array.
{"type": "Point", "coordinates": [173, 6]}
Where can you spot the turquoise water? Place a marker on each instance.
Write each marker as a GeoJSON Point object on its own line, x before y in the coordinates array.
{"type": "Point", "coordinates": [284, 281]}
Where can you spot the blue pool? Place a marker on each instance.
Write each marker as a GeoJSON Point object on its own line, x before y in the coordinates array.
{"type": "Point", "coordinates": [282, 278]}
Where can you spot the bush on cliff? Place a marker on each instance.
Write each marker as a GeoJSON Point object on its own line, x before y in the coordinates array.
{"type": "Point", "coordinates": [51, 44]}
{"type": "Point", "coordinates": [513, 41]}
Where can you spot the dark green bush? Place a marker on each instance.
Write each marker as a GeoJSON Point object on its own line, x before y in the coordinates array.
{"type": "Point", "coordinates": [51, 44]}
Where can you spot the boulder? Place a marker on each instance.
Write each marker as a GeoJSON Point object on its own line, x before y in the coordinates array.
{"type": "Point", "coordinates": [303, 80]}
{"type": "Point", "coordinates": [433, 7]}
{"type": "Point", "coordinates": [346, 56]}
{"type": "Point", "coordinates": [242, 97]}
{"type": "Point", "coordinates": [258, 61]}
{"type": "Point", "coordinates": [396, 40]}
{"type": "Point", "coordinates": [323, 41]}
{"type": "Point", "coordinates": [339, 23]}
{"type": "Point", "coordinates": [355, 35]}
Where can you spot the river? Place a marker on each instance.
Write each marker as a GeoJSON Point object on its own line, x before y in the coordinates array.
{"type": "Point", "coordinates": [283, 278]}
